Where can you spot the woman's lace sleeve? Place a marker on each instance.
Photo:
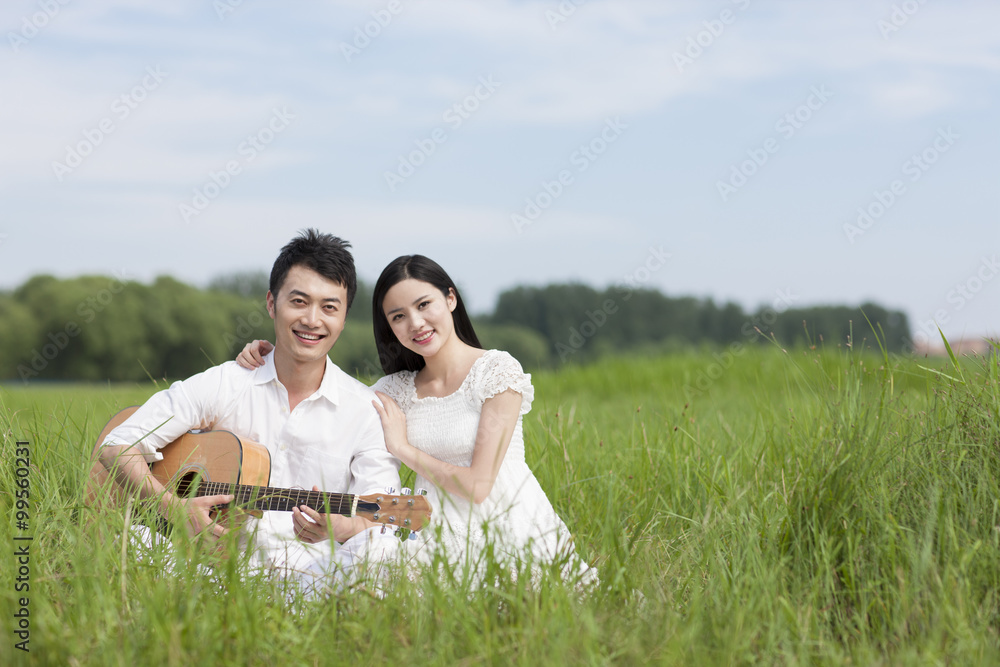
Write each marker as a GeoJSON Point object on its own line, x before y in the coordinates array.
{"type": "Point", "coordinates": [499, 372]}
{"type": "Point", "coordinates": [395, 386]}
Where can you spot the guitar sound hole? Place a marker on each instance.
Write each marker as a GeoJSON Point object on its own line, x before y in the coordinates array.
{"type": "Point", "coordinates": [187, 484]}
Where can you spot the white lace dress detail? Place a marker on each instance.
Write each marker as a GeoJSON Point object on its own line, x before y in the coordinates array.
{"type": "Point", "coordinates": [517, 517]}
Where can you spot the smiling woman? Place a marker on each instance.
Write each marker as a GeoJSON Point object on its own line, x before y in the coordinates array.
{"type": "Point", "coordinates": [420, 316]}
{"type": "Point", "coordinates": [453, 413]}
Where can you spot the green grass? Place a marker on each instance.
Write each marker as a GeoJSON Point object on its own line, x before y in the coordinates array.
{"type": "Point", "coordinates": [795, 507]}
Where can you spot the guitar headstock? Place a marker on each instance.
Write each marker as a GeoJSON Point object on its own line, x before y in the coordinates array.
{"type": "Point", "coordinates": [404, 511]}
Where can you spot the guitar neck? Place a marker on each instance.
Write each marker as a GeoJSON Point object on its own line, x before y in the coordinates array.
{"type": "Point", "coordinates": [282, 500]}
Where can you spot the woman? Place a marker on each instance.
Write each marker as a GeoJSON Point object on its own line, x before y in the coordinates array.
{"type": "Point", "coordinates": [452, 412]}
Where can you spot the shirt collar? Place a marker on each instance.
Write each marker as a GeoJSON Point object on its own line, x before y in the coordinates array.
{"type": "Point", "coordinates": [328, 388]}
{"type": "Point", "coordinates": [267, 372]}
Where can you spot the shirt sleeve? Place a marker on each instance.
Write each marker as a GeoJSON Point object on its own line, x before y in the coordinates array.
{"type": "Point", "coordinates": [500, 372]}
{"type": "Point", "coordinates": [373, 468]}
{"type": "Point", "coordinates": [189, 404]}
{"type": "Point", "coordinates": [395, 387]}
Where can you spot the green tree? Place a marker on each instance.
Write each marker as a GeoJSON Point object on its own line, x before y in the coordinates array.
{"type": "Point", "coordinates": [246, 284]}
{"type": "Point", "coordinates": [18, 333]}
{"type": "Point", "coordinates": [527, 346]}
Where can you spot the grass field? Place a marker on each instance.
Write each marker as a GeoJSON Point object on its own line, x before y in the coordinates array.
{"type": "Point", "coordinates": [800, 507]}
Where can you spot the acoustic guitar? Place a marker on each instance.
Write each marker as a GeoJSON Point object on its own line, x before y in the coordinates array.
{"type": "Point", "coordinates": [211, 463]}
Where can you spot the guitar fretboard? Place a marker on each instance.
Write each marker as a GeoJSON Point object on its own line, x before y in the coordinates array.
{"type": "Point", "coordinates": [281, 500]}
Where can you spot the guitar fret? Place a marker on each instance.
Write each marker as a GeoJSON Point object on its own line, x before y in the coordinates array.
{"type": "Point", "coordinates": [281, 500]}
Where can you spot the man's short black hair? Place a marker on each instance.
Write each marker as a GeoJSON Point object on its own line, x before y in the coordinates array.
{"type": "Point", "coordinates": [325, 254]}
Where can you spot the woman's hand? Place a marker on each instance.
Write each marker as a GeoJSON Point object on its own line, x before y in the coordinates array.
{"type": "Point", "coordinates": [393, 424]}
{"type": "Point", "coordinates": [253, 354]}
{"type": "Point", "coordinates": [473, 482]}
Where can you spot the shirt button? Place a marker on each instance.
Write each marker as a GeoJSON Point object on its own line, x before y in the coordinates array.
{"type": "Point", "coordinates": [283, 447]}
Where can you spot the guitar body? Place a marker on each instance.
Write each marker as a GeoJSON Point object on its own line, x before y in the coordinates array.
{"type": "Point", "coordinates": [210, 456]}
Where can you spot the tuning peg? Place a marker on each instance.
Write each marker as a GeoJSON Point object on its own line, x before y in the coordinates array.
{"type": "Point", "coordinates": [406, 491]}
{"type": "Point", "coordinates": [421, 491]}
{"type": "Point", "coordinates": [391, 490]}
{"type": "Point", "coordinates": [412, 535]}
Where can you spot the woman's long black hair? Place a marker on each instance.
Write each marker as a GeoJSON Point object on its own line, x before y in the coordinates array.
{"type": "Point", "coordinates": [391, 354]}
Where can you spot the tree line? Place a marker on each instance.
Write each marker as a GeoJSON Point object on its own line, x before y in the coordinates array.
{"type": "Point", "coordinates": [99, 328]}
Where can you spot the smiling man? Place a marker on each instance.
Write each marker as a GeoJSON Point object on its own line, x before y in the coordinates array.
{"type": "Point", "coordinates": [315, 421]}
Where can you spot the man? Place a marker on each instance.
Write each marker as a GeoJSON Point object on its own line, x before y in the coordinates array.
{"type": "Point", "coordinates": [314, 419]}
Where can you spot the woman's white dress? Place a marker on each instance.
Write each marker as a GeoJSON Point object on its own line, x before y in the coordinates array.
{"type": "Point", "coordinates": [516, 519]}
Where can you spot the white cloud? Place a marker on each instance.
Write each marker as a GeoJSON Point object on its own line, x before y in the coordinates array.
{"type": "Point", "coordinates": [919, 94]}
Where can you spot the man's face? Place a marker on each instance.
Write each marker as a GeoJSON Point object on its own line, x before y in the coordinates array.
{"type": "Point", "coordinates": [309, 313]}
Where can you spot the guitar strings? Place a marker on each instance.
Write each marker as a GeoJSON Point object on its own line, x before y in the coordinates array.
{"type": "Point", "coordinates": [281, 500]}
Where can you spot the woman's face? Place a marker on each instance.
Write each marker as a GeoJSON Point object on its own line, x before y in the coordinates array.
{"type": "Point", "coordinates": [420, 315]}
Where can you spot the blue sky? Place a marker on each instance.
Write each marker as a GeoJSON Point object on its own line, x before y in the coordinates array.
{"type": "Point", "coordinates": [743, 150]}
